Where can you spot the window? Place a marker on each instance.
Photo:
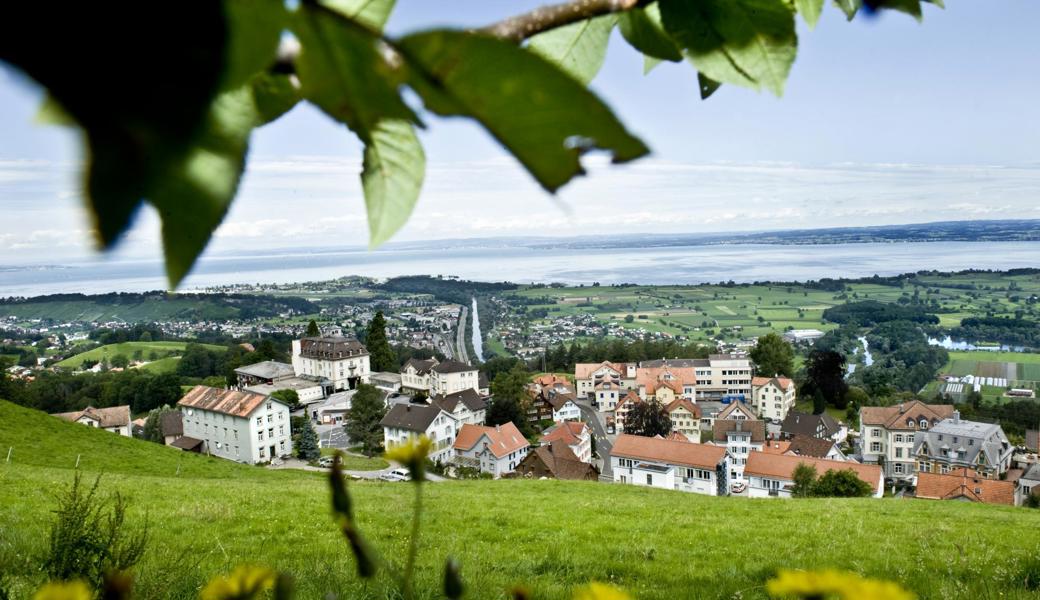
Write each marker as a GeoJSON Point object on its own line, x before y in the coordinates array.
{"type": "Point", "coordinates": [259, 421]}
{"type": "Point", "coordinates": [262, 452]}
{"type": "Point", "coordinates": [899, 468]}
{"type": "Point", "coordinates": [875, 446]}
{"type": "Point", "coordinates": [702, 474]}
{"type": "Point", "coordinates": [649, 479]}
{"type": "Point", "coordinates": [875, 433]}
{"type": "Point", "coordinates": [899, 453]}
{"type": "Point", "coordinates": [260, 435]}
{"type": "Point", "coordinates": [899, 438]}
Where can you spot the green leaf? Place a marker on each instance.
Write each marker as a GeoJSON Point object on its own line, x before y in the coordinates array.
{"type": "Point", "coordinates": [642, 28]}
{"type": "Point", "coordinates": [539, 113]}
{"type": "Point", "coordinates": [745, 42]}
{"type": "Point", "coordinates": [849, 7]}
{"type": "Point", "coordinates": [50, 112]}
{"type": "Point", "coordinates": [197, 189]}
{"type": "Point", "coordinates": [707, 85]}
{"type": "Point", "coordinates": [810, 11]}
{"type": "Point", "coordinates": [371, 13]}
{"type": "Point", "coordinates": [910, 7]}
{"type": "Point", "coordinates": [276, 94]}
{"type": "Point", "coordinates": [343, 72]}
{"type": "Point", "coordinates": [650, 63]}
{"type": "Point", "coordinates": [579, 48]}
{"type": "Point", "coordinates": [255, 29]}
{"type": "Point", "coordinates": [393, 173]}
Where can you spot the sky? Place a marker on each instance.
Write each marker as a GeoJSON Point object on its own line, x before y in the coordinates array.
{"type": "Point", "coordinates": [884, 120]}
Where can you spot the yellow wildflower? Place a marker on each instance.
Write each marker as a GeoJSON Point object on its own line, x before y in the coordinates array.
{"type": "Point", "coordinates": [64, 590]}
{"type": "Point", "coordinates": [600, 591]}
{"type": "Point", "coordinates": [832, 583]}
{"type": "Point", "coordinates": [412, 454]}
{"type": "Point", "coordinates": [244, 583]}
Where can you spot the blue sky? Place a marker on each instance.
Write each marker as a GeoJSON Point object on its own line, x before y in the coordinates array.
{"type": "Point", "coordinates": [884, 120]}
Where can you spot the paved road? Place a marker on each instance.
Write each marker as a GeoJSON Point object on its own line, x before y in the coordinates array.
{"type": "Point", "coordinates": [460, 337]}
{"type": "Point", "coordinates": [295, 463]}
{"type": "Point", "coordinates": [603, 444]}
{"type": "Point", "coordinates": [332, 436]}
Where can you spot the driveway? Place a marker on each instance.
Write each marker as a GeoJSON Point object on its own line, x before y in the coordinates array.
{"type": "Point", "coordinates": [295, 463]}
{"type": "Point", "coordinates": [603, 444]}
{"type": "Point", "coordinates": [332, 436]}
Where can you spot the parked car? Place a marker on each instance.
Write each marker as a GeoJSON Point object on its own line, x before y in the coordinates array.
{"type": "Point", "coordinates": [738, 487]}
{"type": "Point", "coordinates": [325, 461]}
{"type": "Point", "coordinates": [394, 475]}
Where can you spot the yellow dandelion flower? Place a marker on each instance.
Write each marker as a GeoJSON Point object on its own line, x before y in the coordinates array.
{"type": "Point", "coordinates": [64, 590]}
{"type": "Point", "coordinates": [832, 583]}
{"type": "Point", "coordinates": [600, 591]}
{"type": "Point", "coordinates": [412, 454]}
{"type": "Point", "coordinates": [244, 583]}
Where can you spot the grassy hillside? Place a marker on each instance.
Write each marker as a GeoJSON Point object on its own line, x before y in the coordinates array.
{"type": "Point", "coordinates": [127, 349]}
{"type": "Point", "coordinates": [549, 536]}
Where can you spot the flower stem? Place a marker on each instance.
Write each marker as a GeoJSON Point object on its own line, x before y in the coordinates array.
{"type": "Point", "coordinates": [413, 547]}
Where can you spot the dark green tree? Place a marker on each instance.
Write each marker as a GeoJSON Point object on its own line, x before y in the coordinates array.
{"type": "Point", "coordinates": [153, 430]}
{"type": "Point", "coordinates": [826, 373]}
{"type": "Point", "coordinates": [307, 443]}
{"type": "Point", "coordinates": [773, 356]}
{"type": "Point", "coordinates": [381, 355]}
{"type": "Point", "coordinates": [819, 403]}
{"type": "Point", "coordinates": [648, 419]}
{"type": "Point", "coordinates": [312, 329]}
{"type": "Point", "coordinates": [841, 484]}
{"type": "Point", "coordinates": [804, 477]}
{"type": "Point", "coordinates": [367, 409]}
{"type": "Point", "coordinates": [512, 385]}
{"type": "Point", "coordinates": [504, 409]}
{"type": "Point", "coordinates": [290, 397]}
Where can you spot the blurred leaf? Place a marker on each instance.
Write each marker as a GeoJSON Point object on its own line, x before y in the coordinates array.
{"type": "Point", "coordinates": [810, 11]}
{"type": "Point", "coordinates": [579, 48]}
{"type": "Point", "coordinates": [452, 580]}
{"type": "Point", "coordinates": [51, 113]}
{"type": "Point", "coordinates": [275, 93]}
{"type": "Point", "coordinates": [538, 112]}
{"type": "Point", "coordinates": [910, 7]}
{"type": "Point", "coordinates": [849, 7]}
{"type": "Point", "coordinates": [342, 506]}
{"type": "Point", "coordinates": [642, 28]}
{"type": "Point", "coordinates": [393, 173]}
{"type": "Point", "coordinates": [138, 80]}
{"type": "Point", "coordinates": [744, 42]}
{"type": "Point", "coordinates": [650, 63]}
{"type": "Point", "coordinates": [707, 85]}
{"type": "Point", "coordinates": [372, 13]}
{"type": "Point", "coordinates": [343, 72]}
{"type": "Point", "coordinates": [197, 189]}
{"type": "Point", "coordinates": [255, 30]}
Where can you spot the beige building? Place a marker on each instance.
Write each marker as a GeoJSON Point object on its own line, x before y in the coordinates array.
{"type": "Point", "coordinates": [343, 361]}
{"type": "Point", "coordinates": [886, 433]}
{"type": "Point", "coordinates": [772, 397]}
{"type": "Point", "coordinates": [588, 375]}
{"type": "Point", "coordinates": [115, 419]}
{"type": "Point", "coordinates": [686, 418]}
{"type": "Point", "coordinates": [439, 378]}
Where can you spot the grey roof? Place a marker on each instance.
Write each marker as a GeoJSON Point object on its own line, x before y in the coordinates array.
{"type": "Point", "coordinates": [468, 397]}
{"type": "Point", "coordinates": [411, 417]}
{"type": "Point", "coordinates": [798, 423]}
{"type": "Point", "coordinates": [171, 423]}
{"type": "Point", "coordinates": [1033, 439]}
{"type": "Point", "coordinates": [452, 366]}
{"type": "Point", "coordinates": [385, 377]}
{"type": "Point", "coordinates": [421, 366]}
{"type": "Point", "coordinates": [268, 369]}
{"type": "Point", "coordinates": [674, 363]}
{"type": "Point", "coordinates": [960, 442]}
{"type": "Point", "coordinates": [805, 445]}
{"type": "Point", "coordinates": [333, 347]}
{"type": "Point", "coordinates": [289, 383]}
{"type": "Point", "coordinates": [1032, 473]}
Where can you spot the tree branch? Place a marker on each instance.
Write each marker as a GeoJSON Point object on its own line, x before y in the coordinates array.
{"type": "Point", "coordinates": [551, 16]}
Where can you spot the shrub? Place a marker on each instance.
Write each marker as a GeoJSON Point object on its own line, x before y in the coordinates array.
{"type": "Point", "coordinates": [89, 536]}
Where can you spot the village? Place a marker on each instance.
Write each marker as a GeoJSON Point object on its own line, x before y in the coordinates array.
{"type": "Point", "coordinates": [731, 431]}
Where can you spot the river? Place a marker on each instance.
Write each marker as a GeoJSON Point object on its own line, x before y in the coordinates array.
{"type": "Point", "coordinates": [868, 358]}
{"type": "Point", "coordinates": [478, 341]}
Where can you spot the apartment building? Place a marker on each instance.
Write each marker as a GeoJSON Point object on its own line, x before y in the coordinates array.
{"type": "Point", "coordinates": [341, 360]}
{"type": "Point", "coordinates": [236, 425]}
{"type": "Point", "coordinates": [886, 434]}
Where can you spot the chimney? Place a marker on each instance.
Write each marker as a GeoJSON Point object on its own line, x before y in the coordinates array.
{"type": "Point", "coordinates": [956, 416]}
{"type": "Point", "coordinates": [901, 409]}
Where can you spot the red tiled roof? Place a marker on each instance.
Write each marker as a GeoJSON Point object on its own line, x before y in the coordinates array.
{"type": "Point", "coordinates": [684, 403]}
{"type": "Point", "coordinates": [896, 417]}
{"type": "Point", "coordinates": [964, 483]}
{"type": "Point", "coordinates": [502, 439]}
{"type": "Point", "coordinates": [781, 466]}
{"type": "Point", "coordinates": [781, 382]}
{"type": "Point", "coordinates": [585, 370]}
{"type": "Point", "coordinates": [668, 451]}
{"type": "Point", "coordinates": [568, 431]}
{"type": "Point", "coordinates": [230, 402]}
{"type": "Point", "coordinates": [775, 447]}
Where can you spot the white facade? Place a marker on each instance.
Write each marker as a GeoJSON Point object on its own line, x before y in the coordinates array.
{"type": "Point", "coordinates": [257, 438]}
{"type": "Point", "coordinates": [123, 430]}
{"type": "Point", "coordinates": [771, 401]}
{"type": "Point", "coordinates": [664, 476]}
{"type": "Point", "coordinates": [345, 370]}
{"type": "Point", "coordinates": [442, 384]}
{"type": "Point", "coordinates": [568, 412]}
{"type": "Point", "coordinates": [441, 431]}
{"type": "Point", "coordinates": [740, 446]}
{"type": "Point", "coordinates": [724, 375]}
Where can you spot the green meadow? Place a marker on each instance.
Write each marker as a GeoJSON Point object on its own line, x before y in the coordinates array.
{"type": "Point", "coordinates": [128, 349]}
{"type": "Point", "coordinates": [206, 515]}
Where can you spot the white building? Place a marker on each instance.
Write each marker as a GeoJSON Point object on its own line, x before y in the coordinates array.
{"type": "Point", "coordinates": [465, 407]}
{"type": "Point", "coordinates": [1028, 483]}
{"type": "Point", "coordinates": [236, 425]}
{"type": "Point", "coordinates": [740, 437]}
{"type": "Point", "coordinates": [886, 434]}
{"type": "Point", "coordinates": [343, 361]}
{"type": "Point", "coordinates": [587, 375]}
{"type": "Point", "coordinates": [772, 475]}
{"type": "Point", "coordinates": [803, 335]}
{"type": "Point", "coordinates": [406, 421]}
{"type": "Point", "coordinates": [575, 434]}
{"type": "Point", "coordinates": [496, 450]}
{"type": "Point", "coordinates": [115, 419]}
{"type": "Point", "coordinates": [670, 464]}
{"type": "Point", "coordinates": [772, 397]}
{"type": "Point", "coordinates": [439, 378]}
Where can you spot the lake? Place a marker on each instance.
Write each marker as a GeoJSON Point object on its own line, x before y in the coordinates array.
{"type": "Point", "coordinates": [497, 261]}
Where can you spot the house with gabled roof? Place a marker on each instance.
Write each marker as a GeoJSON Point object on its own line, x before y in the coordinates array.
{"type": "Point", "coordinates": [576, 434]}
{"type": "Point", "coordinates": [670, 464]}
{"type": "Point", "coordinates": [434, 377]}
{"type": "Point", "coordinates": [964, 484]}
{"type": "Point", "coordinates": [821, 426]}
{"type": "Point", "coordinates": [587, 375]}
{"type": "Point", "coordinates": [772, 475]}
{"type": "Point", "coordinates": [606, 393]}
{"type": "Point", "coordinates": [666, 383]}
{"type": "Point", "coordinates": [740, 437]}
{"type": "Point", "coordinates": [404, 422]}
{"type": "Point", "coordinates": [466, 406]}
{"type": "Point", "coordinates": [806, 445]}
{"type": "Point", "coordinates": [953, 443]}
{"type": "Point", "coordinates": [623, 407]}
{"type": "Point", "coordinates": [772, 397]}
{"type": "Point", "coordinates": [235, 425]}
{"type": "Point", "coordinates": [686, 418]}
{"type": "Point", "coordinates": [555, 460]}
{"type": "Point", "coordinates": [1028, 485]}
{"type": "Point", "coordinates": [496, 450]}
{"type": "Point", "coordinates": [115, 419]}
{"type": "Point", "coordinates": [886, 434]}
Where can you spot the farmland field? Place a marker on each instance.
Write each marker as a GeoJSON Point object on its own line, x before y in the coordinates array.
{"type": "Point", "coordinates": [128, 349]}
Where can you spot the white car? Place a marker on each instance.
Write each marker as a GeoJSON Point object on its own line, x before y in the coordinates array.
{"type": "Point", "coordinates": [395, 475]}
{"type": "Point", "coordinates": [738, 487]}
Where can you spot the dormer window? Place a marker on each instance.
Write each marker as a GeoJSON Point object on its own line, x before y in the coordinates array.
{"type": "Point", "coordinates": [924, 423]}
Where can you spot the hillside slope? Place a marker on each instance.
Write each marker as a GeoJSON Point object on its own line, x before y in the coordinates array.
{"type": "Point", "coordinates": [549, 536]}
